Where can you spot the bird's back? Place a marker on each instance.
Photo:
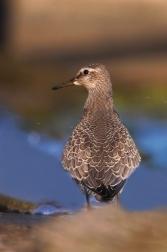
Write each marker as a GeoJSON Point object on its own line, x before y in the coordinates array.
{"type": "Point", "coordinates": [100, 154]}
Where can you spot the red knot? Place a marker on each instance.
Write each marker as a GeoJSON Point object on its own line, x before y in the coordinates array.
{"type": "Point", "coordinates": [100, 154]}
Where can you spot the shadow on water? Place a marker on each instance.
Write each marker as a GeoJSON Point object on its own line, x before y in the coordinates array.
{"type": "Point", "coordinates": [31, 169]}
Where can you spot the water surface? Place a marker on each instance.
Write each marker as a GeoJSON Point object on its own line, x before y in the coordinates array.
{"type": "Point", "coordinates": [30, 167]}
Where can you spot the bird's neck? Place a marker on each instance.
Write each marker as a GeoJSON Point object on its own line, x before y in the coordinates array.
{"type": "Point", "coordinates": [99, 103]}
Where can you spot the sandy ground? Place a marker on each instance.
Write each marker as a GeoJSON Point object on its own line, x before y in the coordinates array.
{"type": "Point", "coordinates": [105, 229]}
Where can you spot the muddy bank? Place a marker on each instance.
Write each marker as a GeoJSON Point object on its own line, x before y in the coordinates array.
{"type": "Point", "coordinates": [106, 229]}
{"type": "Point", "coordinates": [17, 230]}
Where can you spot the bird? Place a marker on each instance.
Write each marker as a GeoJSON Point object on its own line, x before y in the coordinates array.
{"type": "Point", "coordinates": [100, 155]}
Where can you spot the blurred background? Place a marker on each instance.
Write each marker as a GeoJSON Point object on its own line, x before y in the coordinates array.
{"type": "Point", "coordinates": [44, 43]}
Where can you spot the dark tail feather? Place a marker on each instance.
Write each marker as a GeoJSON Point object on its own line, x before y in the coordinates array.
{"type": "Point", "coordinates": [107, 194]}
{"type": "Point", "coordinates": [114, 190]}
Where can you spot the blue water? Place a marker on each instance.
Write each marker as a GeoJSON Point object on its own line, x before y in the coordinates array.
{"type": "Point", "coordinates": [30, 167]}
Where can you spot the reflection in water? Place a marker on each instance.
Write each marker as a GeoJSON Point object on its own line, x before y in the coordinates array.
{"type": "Point", "coordinates": [30, 167]}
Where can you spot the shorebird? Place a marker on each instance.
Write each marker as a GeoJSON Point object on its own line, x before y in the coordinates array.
{"type": "Point", "coordinates": [100, 155]}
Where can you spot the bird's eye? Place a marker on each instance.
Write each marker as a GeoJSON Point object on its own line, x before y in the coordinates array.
{"type": "Point", "coordinates": [85, 72]}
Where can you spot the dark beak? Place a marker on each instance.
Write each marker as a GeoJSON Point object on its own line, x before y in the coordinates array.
{"type": "Point", "coordinates": [65, 84]}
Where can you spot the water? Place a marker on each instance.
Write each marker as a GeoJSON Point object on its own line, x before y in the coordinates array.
{"type": "Point", "coordinates": [29, 170]}
{"type": "Point", "coordinates": [30, 167]}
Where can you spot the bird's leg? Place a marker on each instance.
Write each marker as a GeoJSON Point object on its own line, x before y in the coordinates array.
{"type": "Point", "coordinates": [87, 199]}
{"type": "Point", "coordinates": [118, 199]}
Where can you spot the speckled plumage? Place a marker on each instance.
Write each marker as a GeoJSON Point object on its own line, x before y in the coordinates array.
{"type": "Point", "coordinates": [100, 154]}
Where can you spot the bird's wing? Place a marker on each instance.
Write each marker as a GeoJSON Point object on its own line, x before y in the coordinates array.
{"type": "Point", "coordinates": [108, 161]}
